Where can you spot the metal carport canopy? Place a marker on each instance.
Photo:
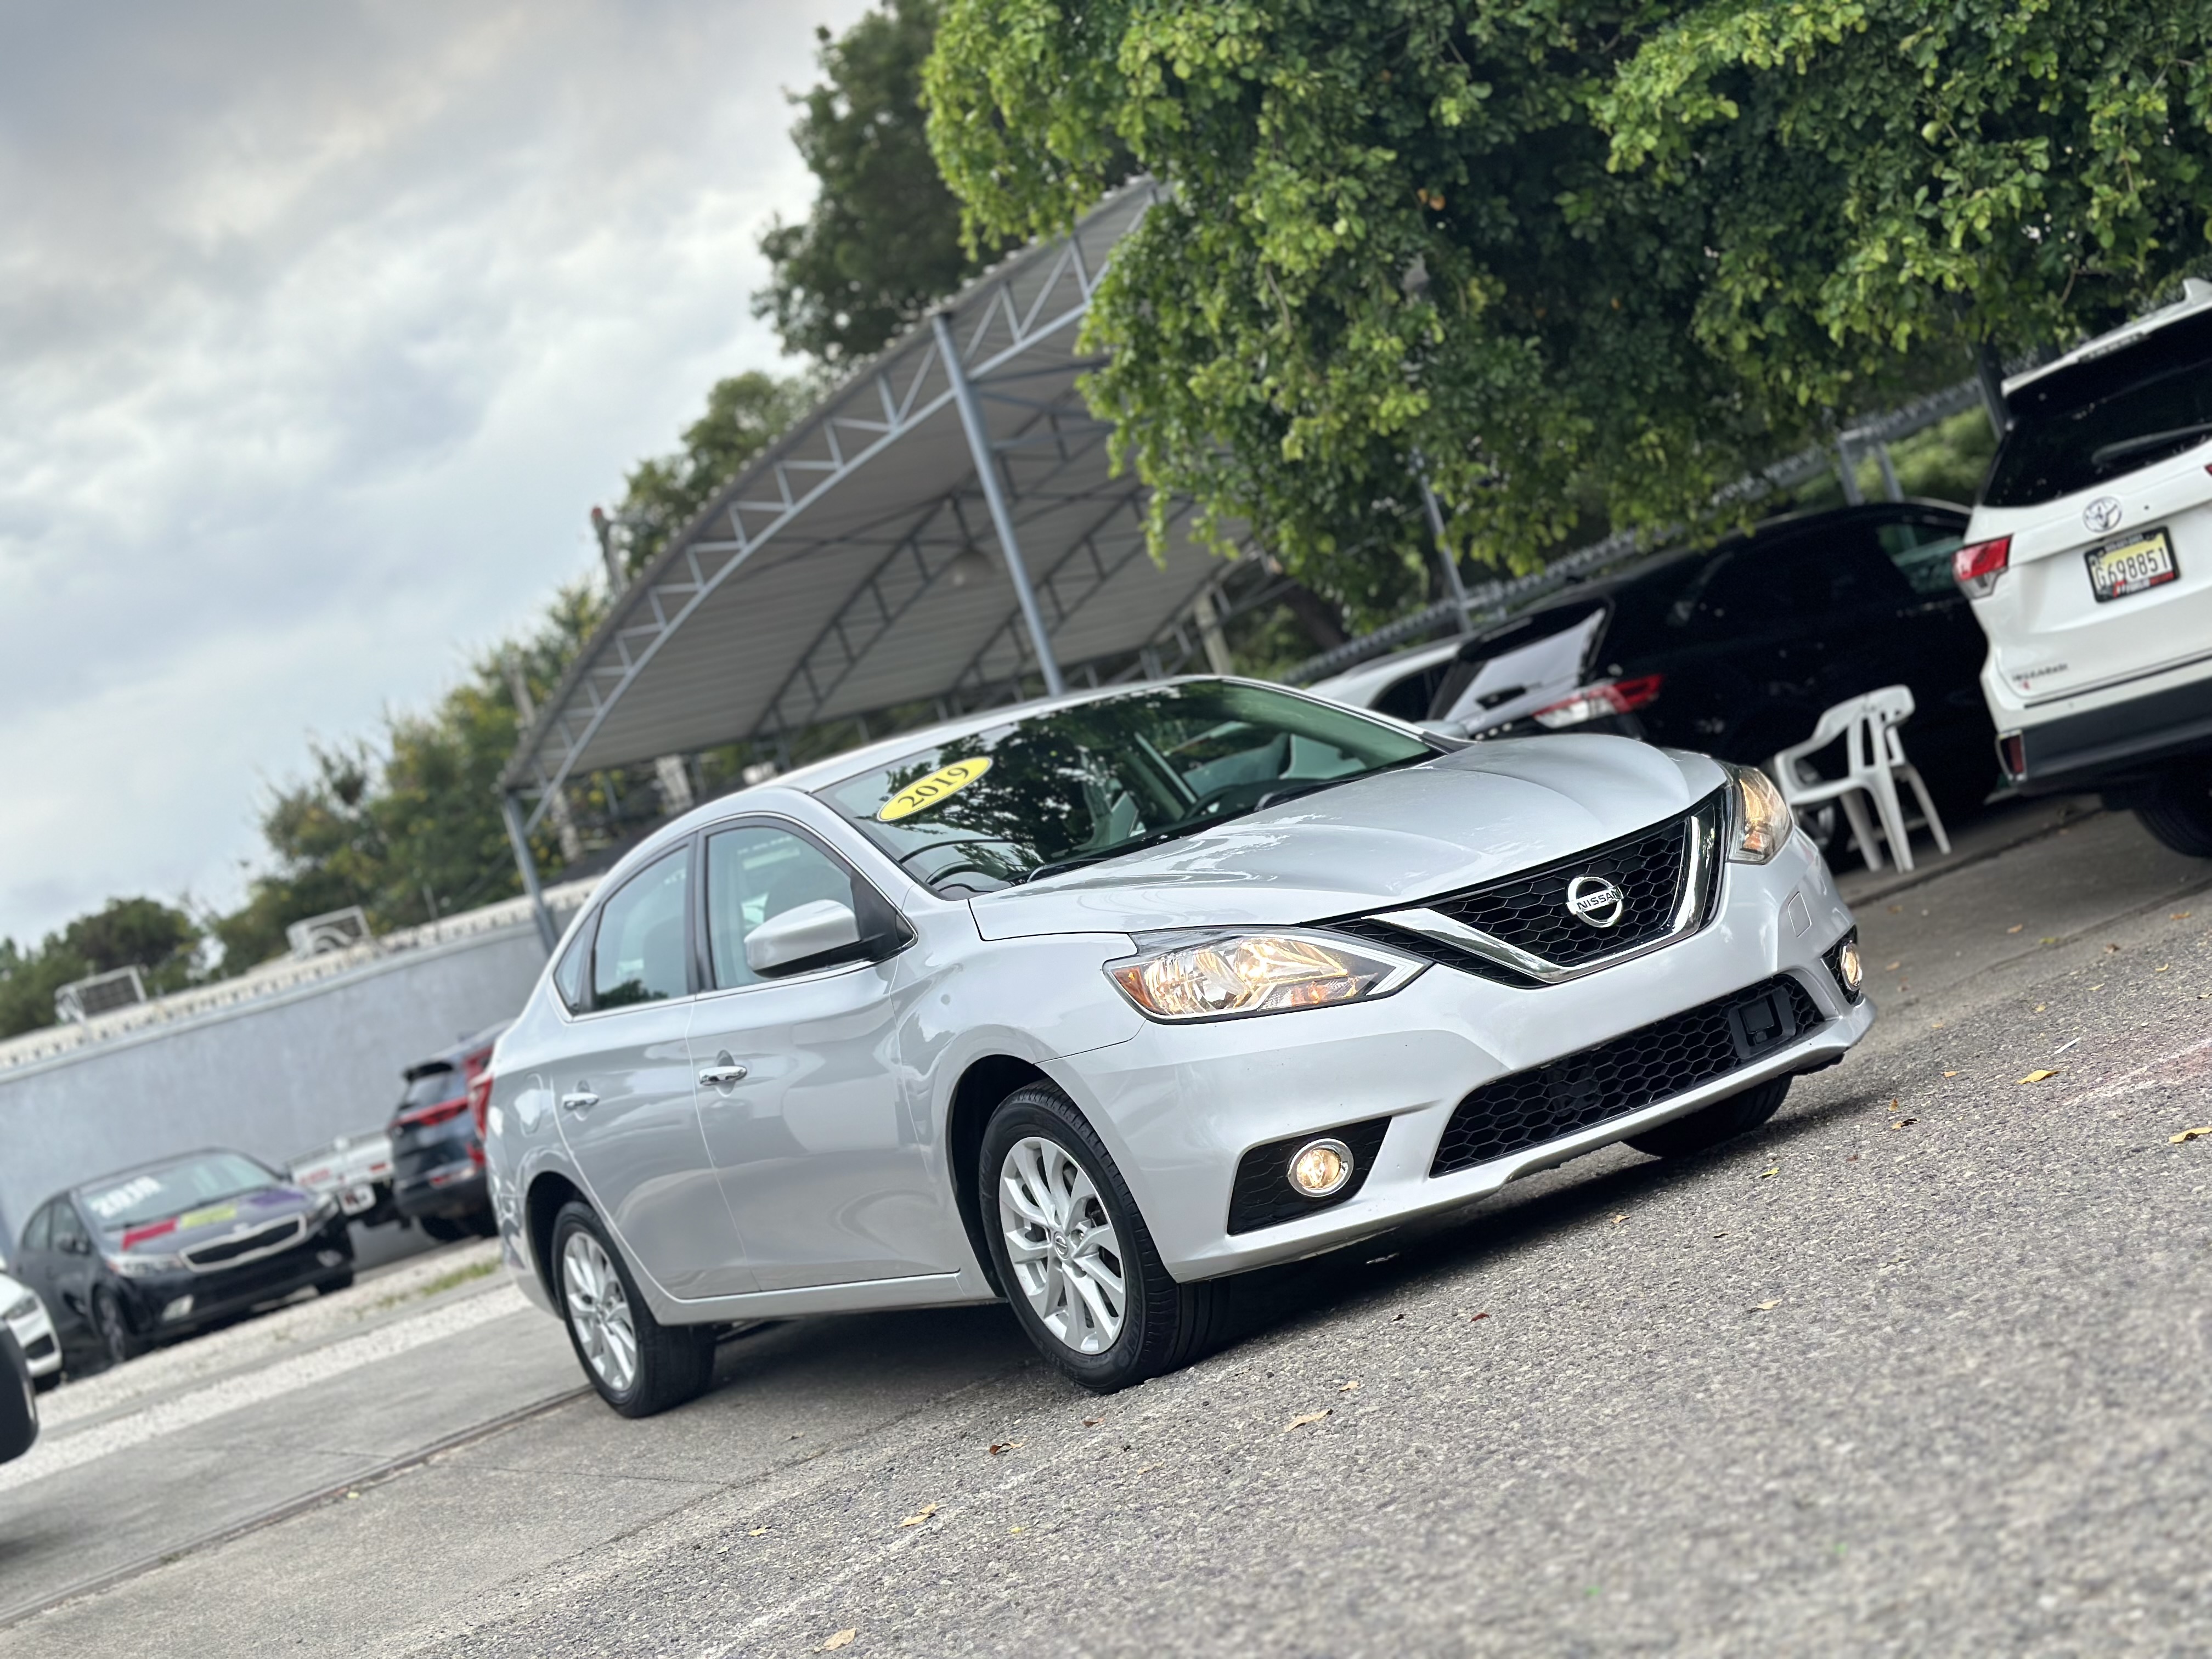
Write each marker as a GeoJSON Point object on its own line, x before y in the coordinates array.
{"type": "Point", "coordinates": [856, 565]}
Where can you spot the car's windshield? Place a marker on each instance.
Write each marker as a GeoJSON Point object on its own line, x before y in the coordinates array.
{"type": "Point", "coordinates": [153, 1194]}
{"type": "Point", "coordinates": [1101, 778]}
{"type": "Point", "coordinates": [427, 1088]}
{"type": "Point", "coordinates": [2102, 419]}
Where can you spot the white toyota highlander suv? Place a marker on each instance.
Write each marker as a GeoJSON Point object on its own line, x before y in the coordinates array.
{"type": "Point", "coordinates": [2089, 562]}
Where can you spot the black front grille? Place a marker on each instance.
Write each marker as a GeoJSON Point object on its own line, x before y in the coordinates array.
{"type": "Point", "coordinates": [263, 1238]}
{"type": "Point", "coordinates": [40, 1348]}
{"type": "Point", "coordinates": [1666, 1058]}
{"type": "Point", "coordinates": [1263, 1196]}
{"type": "Point", "coordinates": [1530, 912]}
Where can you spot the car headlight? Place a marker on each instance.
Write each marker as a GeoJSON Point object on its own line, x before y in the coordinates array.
{"type": "Point", "coordinates": [22, 1307]}
{"type": "Point", "coordinates": [1225, 975]}
{"type": "Point", "coordinates": [145, 1267]}
{"type": "Point", "coordinates": [1760, 820]}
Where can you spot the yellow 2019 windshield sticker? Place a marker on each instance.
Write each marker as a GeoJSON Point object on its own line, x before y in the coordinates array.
{"type": "Point", "coordinates": [945, 780]}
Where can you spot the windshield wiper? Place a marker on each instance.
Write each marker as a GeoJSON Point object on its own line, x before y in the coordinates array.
{"type": "Point", "coordinates": [2105, 455]}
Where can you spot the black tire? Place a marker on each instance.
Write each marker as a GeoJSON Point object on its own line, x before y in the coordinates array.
{"type": "Point", "coordinates": [1164, 1325]}
{"type": "Point", "coordinates": [331, 1284]}
{"type": "Point", "coordinates": [1709, 1126]}
{"type": "Point", "coordinates": [674, 1363]}
{"type": "Point", "coordinates": [443, 1227]}
{"type": "Point", "coordinates": [2179, 813]}
{"type": "Point", "coordinates": [116, 1336]}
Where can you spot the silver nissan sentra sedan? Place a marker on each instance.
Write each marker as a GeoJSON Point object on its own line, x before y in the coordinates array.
{"type": "Point", "coordinates": [1091, 1004]}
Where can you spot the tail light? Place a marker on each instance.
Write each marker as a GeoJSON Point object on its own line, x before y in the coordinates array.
{"type": "Point", "coordinates": [1977, 566]}
{"type": "Point", "coordinates": [480, 1103]}
{"type": "Point", "coordinates": [1596, 701]}
{"type": "Point", "coordinates": [2012, 755]}
{"type": "Point", "coordinates": [443, 1111]}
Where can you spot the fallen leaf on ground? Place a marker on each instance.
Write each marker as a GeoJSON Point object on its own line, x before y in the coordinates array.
{"type": "Point", "coordinates": [2188, 1134]}
{"type": "Point", "coordinates": [2015, 928]}
{"type": "Point", "coordinates": [2038, 1076]}
{"type": "Point", "coordinates": [2161, 967]}
{"type": "Point", "coordinates": [1892, 967]}
{"type": "Point", "coordinates": [1304, 1418]}
{"type": "Point", "coordinates": [2041, 1006]}
{"type": "Point", "coordinates": [1950, 1074]}
{"type": "Point", "coordinates": [1148, 1468]}
{"type": "Point", "coordinates": [1766, 1307]}
{"type": "Point", "coordinates": [758, 1532]}
{"type": "Point", "coordinates": [928, 1510]}
{"type": "Point", "coordinates": [2110, 948]}
{"type": "Point", "coordinates": [1092, 1422]}
{"type": "Point", "coordinates": [1764, 1175]}
{"type": "Point", "coordinates": [2050, 939]}
{"type": "Point", "coordinates": [2180, 915]}
{"type": "Point", "coordinates": [838, 1641]}
{"type": "Point", "coordinates": [1935, 1024]}
{"type": "Point", "coordinates": [1897, 909]}
{"type": "Point", "coordinates": [1350, 1387]}
{"type": "Point", "coordinates": [1905, 1123]}
{"type": "Point", "coordinates": [998, 1446]}
{"type": "Point", "coordinates": [1485, 1314]}
{"type": "Point", "coordinates": [1618, 1219]}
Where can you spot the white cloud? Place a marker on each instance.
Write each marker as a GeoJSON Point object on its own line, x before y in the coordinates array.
{"type": "Point", "coordinates": [321, 328]}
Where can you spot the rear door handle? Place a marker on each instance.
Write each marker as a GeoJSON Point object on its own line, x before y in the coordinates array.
{"type": "Point", "coordinates": [582, 1101]}
{"type": "Point", "coordinates": [722, 1075]}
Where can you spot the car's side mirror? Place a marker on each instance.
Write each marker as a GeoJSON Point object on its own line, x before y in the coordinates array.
{"type": "Point", "coordinates": [810, 935]}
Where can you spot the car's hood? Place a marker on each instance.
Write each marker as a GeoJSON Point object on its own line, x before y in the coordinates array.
{"type": "Point", "coordinates": [209, 1222]}
{"type": "Point", "coordinates": [1472, 815]}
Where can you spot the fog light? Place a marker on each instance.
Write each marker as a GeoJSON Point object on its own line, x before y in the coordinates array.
{"type": "Point", "coordinates": [1847, 964]}
{"type": "Point", "coordinates": [1321, 1167]}
{"type": "Point", "coordinates": [176, 1309]}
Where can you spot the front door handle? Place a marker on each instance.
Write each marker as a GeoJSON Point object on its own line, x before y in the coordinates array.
{"type": "Point", "coordinates": [722, 1074]}
{"type": "Point", "coordinates": [582, 1101]}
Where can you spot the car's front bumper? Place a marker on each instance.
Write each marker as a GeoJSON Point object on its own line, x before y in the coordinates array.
{"type": "Point", "coordinates": [156, 1306]}
{"type": "Point", "coordinates": [42, 1352]}
{"type": "Point", "coordinates": [1179, 1105]}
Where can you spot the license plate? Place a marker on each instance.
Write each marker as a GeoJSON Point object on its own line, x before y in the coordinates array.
{"type": "Point", "coordinates": [2120, 569]}
{"type": "Point", "coordinates": [353, 1199]}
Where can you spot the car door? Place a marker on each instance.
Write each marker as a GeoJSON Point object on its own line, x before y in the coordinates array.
{"type": "Point", "coordinates": [624, 1091]}
{"type": "Point", "coordinates": [72, 1264]}
{"type": "Point", "coordinates": [821, 1150]}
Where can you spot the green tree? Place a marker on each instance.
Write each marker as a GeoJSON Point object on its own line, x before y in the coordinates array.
{"type": "Point", "coordinates": [1590, 260]}
{"type": "Point", "coordinates": [881, 242]}
{"type": "Point", "coordinates": [160, 939]}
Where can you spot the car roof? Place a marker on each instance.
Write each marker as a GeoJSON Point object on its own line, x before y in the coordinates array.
{"type": "Point", "coordinates": [153, 1163]}
{"type": "Point", "coordinates": [1379, 673]}
{"type": "Point", "coordinates": [2195, 298]}
{"type": "Point", "coordinates": [448, 1060]}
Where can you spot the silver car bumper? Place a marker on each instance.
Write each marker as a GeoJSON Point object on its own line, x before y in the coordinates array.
{"type": "Point", "coordinates": [1179, 1105]}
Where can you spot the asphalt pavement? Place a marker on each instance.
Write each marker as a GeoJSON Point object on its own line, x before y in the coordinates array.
{"type": "Point", "coordinates": [1920, 1368]}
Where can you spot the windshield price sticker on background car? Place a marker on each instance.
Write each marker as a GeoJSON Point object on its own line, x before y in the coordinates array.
{"type": "Point", "coordinates": [206, 1217]}
{"type": "Point", "coordinates": [2120, 569]}
{"type": "Point", "coordinates": [944, 782]}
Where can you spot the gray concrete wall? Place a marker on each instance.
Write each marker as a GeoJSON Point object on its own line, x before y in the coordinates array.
{"type": "Point", "coordinates": [274, 1076]}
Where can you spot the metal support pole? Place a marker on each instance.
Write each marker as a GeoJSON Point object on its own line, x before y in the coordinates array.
{"type": "Point", "coordinates": [1890, 487]}
{"type": "Point", "coordinates": [1988, 364]}
{"type": "Point", "coordinates": [528, 865]}
{"type": "Point", "coordinates": [1002, 519]}
{"type": "Point", "coordinates": [1454, 587]}
{"type": "Point", "coordinates": [1847, 466]}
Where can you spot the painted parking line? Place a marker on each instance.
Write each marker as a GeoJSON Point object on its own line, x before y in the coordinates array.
{"type": "Point", "coordinates": [69, 1451]}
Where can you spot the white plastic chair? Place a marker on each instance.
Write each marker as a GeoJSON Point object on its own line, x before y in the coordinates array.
{"type": "Point", "coordinates": [1874, 759]}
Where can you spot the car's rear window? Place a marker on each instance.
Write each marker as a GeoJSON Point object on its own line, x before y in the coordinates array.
{"type": "Point", "coordinates": [430, 1087]}
{"type": "Point", "coordinates": [2100, 420]}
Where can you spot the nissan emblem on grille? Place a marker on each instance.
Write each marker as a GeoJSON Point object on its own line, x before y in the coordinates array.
{"type": "Point", "coordinates": [1596, 901]}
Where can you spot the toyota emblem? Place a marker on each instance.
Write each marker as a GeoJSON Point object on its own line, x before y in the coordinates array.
{"type": "Point", "coordinates": [1596, 901]}
{"type": "Point", "coordinates": [2103, 514]}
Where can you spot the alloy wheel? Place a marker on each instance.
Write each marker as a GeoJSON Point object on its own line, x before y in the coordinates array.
{"type": "Point", "coordinates": [1061, 1244]}
{"type": "Point", "coordinates": [598, 1311]}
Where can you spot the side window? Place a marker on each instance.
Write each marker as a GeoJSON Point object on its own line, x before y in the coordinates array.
{"type": "Point", "coordinates": [40, 1233]}
{"type": "Point", "coordinates": [637, 954]}
{"type": "Point", "coordinates": [1922, 554]}
{"type": "Point", "coordinates": [68, 1234]}
{"type": "Point", "coordinates": [569, 977]}
{"type": "Point", "coordinates": [755, 871]}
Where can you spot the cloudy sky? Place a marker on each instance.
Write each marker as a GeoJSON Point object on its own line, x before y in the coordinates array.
{"type": "Point", "coordinates": [321, 329]}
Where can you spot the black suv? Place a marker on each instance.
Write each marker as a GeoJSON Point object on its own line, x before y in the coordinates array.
{"type": "Point", "coordinates": [1735, 651]}
{"type": "Point", "coordinates": [437, 1141]}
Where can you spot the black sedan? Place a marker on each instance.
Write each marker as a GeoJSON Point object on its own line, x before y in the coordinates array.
{"type": "Point", "coordinates": [151, 1254]}
{"type": "Point", "coordinates": [1737, 650]}
{"type": "Point", "coordinates": [437, 1140]}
